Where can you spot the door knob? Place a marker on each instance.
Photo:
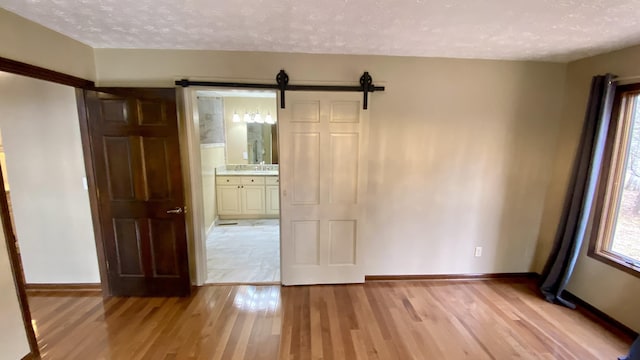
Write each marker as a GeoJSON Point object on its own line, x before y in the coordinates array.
{"type": "Point", "coordinates": [175, 211]}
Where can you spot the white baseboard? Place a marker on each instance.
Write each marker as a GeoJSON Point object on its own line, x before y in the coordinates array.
{"type": "Point", "coordinates": [211, 226]}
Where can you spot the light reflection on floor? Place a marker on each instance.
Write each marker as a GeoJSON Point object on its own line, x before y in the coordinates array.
{"type": "Point", "coordinates": [34, 323]}
{"type": "Point", "coordinates": [257, 298]}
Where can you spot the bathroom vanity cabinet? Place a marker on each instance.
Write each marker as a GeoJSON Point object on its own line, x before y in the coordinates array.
{"type": "Point", "coordinates": [247, 197]}
{"type": "Point", "coordinates": [272, 191]}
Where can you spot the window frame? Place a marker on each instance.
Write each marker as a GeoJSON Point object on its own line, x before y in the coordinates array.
{"type": "Point", "coordinates": [607, 197]}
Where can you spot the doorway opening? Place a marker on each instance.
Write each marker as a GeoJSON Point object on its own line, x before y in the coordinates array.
{"type": "Point", "coordinates": [45, 182]}
{"type": "Point", "coordinates": [238, 138]}
{"type": "Point", "coordinates": [47, 222]}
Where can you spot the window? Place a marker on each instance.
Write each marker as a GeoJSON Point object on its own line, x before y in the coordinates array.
{"type": "Point", "coordinates": [615, 237]}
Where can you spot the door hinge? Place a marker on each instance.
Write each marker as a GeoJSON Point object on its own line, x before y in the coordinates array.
{"type": "Point", "coordinates": [107, 265]}
{"type": "Point", "coordinates": [17, 247]}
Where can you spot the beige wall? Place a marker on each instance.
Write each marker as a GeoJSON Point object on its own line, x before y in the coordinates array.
{"type": "Point", "coordinates": [41, 138]}
{"type": "Point", "coordinates": [26, 41]}
{"type": "Point", "coordinates": [210, 158]}
{"type": "Point", "coordinates": [236, 133]}
{"type": "Point", "coordinates": [13, 338]}
{"type": "Point", "coordinates": [608, 289]}
{"type": "Point", "coordinates": [461, 150]}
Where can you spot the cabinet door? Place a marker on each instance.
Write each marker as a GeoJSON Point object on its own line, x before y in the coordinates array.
{"type": "Point", "coordinates": [229, 200]}
{"type": "Point", "coordinates": [273, 200]}
{"type": "Point", "coordinates": [252, 199]}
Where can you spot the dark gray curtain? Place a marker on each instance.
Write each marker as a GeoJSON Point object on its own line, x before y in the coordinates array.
{"type": "Point", "coordinates": [634, 353]}
{"type": "Point", "coordinates": [581, 192]}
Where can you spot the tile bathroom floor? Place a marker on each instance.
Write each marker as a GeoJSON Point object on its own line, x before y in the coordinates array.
{"type": "Point", "coordinates": [248, 252]}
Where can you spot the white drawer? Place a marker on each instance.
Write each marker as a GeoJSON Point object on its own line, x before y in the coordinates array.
{"type": "Point", "coordinates": [252, 180]}
{"type": "Point", "coordinates": [272, 180]}
{"type": "Point", "coordinates": [228, 180]}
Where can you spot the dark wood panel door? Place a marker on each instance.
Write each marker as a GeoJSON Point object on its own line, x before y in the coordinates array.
{"type": "Point", "coordinates": [136, 156]}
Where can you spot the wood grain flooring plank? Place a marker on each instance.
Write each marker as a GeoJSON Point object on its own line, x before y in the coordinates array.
{"type": "Point", "coordinates": [489, 319]}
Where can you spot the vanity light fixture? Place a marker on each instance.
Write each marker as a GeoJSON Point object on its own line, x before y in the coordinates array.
{"type": "Point", "coordinates": [254, 117]}
{"type": "Point", "coordinates": [247, 118]}
{"type": "Point", "coordinates": [258, 118]}
{"type": "Point", "coordinates": [268, 119]}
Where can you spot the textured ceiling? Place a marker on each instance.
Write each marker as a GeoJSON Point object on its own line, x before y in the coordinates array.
{"type": "Point", "coordinates": [553, 30]}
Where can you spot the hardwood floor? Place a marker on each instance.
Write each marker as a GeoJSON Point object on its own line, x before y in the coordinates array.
{"type": "Point", "coordinates": [496, 319]}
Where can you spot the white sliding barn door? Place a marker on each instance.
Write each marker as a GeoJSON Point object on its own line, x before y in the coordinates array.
{"type": "Point", "coordinates": [322, 187]}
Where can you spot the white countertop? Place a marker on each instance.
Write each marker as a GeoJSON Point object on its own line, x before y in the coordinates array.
{"type": "Point", "coordinates": [247, 172]}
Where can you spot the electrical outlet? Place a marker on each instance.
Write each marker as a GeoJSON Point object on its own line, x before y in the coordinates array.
{"type": "Point", "coordinates": [478, 251]}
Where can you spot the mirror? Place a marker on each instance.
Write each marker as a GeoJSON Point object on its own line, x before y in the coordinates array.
{"type": "Point", "coordinates": [223, 123]}
{"type": "Point", "coordinates": [259, 143]}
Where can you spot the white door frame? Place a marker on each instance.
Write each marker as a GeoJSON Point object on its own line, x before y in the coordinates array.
{"type": "Point", "coordinates": [189, 128]}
